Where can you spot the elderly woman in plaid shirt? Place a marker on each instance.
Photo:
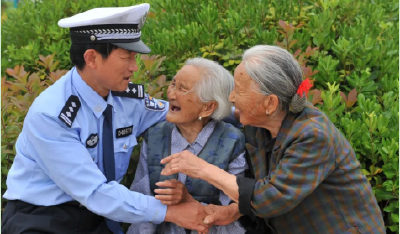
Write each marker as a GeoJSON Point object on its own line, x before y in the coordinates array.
{"type": "Point", "coordinates": [304, 175]}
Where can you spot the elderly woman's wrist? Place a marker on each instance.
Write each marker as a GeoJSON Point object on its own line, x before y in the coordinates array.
{"type": "Point", "coordinates": [206, 171]}
{"type": "Point", "coordinates": [211, 173]}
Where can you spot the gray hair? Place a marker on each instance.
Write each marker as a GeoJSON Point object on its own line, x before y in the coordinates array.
{"type": "Point", "coordinates": [275, 71]}
{"type": "Point", "coordinates": [215, 84]}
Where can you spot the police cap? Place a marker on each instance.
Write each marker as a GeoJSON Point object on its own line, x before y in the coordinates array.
{"type": "Point", "coordinates": [119, 26]}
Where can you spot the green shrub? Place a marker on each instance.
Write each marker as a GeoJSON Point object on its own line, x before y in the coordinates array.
{"type": "Point", "coordinates": [32, 30]}
{"type": "Point", "coordinates": [349, 48]}
{"type": "Point", "coordinates": [17, 95]}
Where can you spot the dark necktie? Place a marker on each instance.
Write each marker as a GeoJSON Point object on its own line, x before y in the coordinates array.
{"type": "Point", "coordinates": [108, 160]}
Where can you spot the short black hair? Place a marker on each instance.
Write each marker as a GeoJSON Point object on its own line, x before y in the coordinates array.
{"type": "Point", "coordinates": [77, 51]}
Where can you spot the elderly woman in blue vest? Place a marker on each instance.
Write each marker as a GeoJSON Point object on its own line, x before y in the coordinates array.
{"type": "Point", "coordinates": [199, 99]}
{"type": "Point", "coordinates": [304, 175]}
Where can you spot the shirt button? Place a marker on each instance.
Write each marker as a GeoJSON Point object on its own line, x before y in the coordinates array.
{"type": "Point", "coordinates": [125, 146]}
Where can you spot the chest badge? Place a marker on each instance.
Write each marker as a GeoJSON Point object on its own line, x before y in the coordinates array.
{"type": "Point", "coordinates": [92, 140]}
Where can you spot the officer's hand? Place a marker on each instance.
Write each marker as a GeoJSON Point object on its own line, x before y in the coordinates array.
{"type": "Point", "coordinates": [174, 192]}
{"type": "Point", "coordinates": [189, 215]}
{"type": "Point", "coordinates": [184, 162]}
{"type": "Point", "coordinates": [221, 215]}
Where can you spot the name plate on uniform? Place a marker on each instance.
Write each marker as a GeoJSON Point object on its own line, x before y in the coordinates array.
{"type": "Point", "coordinates": [123, 132]}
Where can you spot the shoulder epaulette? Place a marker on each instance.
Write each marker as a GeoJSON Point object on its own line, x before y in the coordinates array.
{"type": "Point", "coordinates": [69, 111]}
{"type": "Point", "coordinates": [133, 91]}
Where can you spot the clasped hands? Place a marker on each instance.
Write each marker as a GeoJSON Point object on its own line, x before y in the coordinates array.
{"type": "Point", "coordinates": [188, 212]}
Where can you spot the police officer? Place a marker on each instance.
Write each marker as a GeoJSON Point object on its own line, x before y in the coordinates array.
{"type": "Point", "coordinates": [79, 134]}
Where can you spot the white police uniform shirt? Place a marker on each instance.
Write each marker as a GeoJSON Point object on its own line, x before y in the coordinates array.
{"type": "Point", "coordinates": [57, 163]}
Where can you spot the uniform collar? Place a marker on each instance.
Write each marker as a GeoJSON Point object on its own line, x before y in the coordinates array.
{"type": "Point", "coordinates": [89, 96]}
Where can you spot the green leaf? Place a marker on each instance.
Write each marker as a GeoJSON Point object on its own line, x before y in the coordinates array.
{"type": "Point", "coordinates": [395, 217]}
{"type": "Point", "coordinates": [365, 172]}
{"type": "Point", "coordinates": [382, 194]}
{"type": "Point", "coordinates": [393, 228]}
{"type": "Point", "coordinates": [389, 172]}
{"type": "Point", "coordinates": [393, 206]}
{"type": "Point", "coordinates": [392, 52]}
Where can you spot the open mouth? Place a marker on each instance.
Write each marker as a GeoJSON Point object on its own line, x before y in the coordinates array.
{"type": "Point", "coordinates": [127, 78]}
{"type": "Point", "coordinates": [175, 108]}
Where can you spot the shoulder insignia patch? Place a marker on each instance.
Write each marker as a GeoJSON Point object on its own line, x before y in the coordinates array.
{"type": "Point", "coordinates": [92, 140]}
{"type": "Point", "coordinates": [69, 111]}
{"type": "Point", "coordinates": [133, 91]}
{"type": "Point", "coordinates": [153, 104]}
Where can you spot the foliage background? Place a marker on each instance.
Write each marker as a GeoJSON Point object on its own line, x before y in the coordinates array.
{"type": "Point", "coordinates": [350, 49]}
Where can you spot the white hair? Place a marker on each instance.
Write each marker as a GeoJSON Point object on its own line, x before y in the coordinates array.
{"type": "Point", "coordinates": [275, 71]}
{"type": "Point", "coordinates": [215, 84]}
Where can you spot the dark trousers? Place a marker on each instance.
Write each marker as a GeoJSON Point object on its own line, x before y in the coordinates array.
{"type": "Point", "coordinates": [67, 218]}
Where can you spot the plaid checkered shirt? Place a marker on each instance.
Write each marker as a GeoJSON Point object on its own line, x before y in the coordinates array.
{"type": "Point", "coordinates": [311, 183]}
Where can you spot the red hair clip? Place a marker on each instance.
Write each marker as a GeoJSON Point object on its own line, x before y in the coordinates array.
{"type": "Point", "coordinates": [304, 87]}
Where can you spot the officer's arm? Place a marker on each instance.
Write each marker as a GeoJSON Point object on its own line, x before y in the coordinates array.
{"type": "Point", "coordinates": [67, 162]}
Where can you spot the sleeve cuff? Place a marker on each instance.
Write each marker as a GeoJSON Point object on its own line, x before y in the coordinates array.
{"type": "Point", "coordinates": [246, 186]}
{"type": "Point", "coordinates": [156, 211]}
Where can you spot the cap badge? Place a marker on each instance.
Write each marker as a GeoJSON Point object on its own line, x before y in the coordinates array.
{"type": "Point", "coordinates": [92, 38]}
{"type": "Point", "coordinates": [142, 20]}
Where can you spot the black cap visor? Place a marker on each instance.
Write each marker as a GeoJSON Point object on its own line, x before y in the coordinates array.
{"type": "Point", "coordinates": [137, 46]}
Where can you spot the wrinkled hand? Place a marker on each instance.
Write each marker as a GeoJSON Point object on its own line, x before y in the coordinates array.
{"type": "Point", "coordinates": [189, 215]}
{"type": "Point", "coordinates": [174, 193]}
{"type": "Point", "coordinates": [184, 162]}
{"type": "Point", "coordinates": [221, 215]}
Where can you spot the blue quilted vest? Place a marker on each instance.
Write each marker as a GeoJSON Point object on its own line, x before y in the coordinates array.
{"type": "Point", "coordinates": [222, 147]}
